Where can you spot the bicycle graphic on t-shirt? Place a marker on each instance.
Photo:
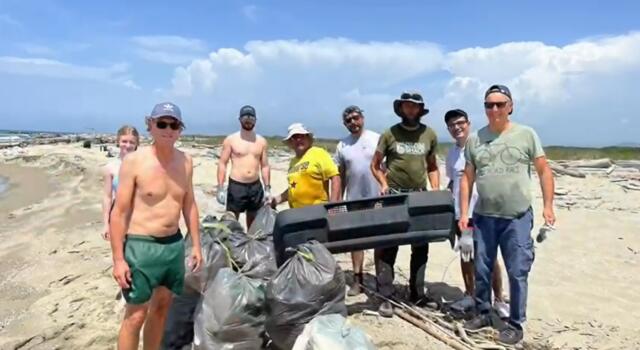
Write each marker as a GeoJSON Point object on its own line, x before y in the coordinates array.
{"type": "Point", "coordinates": [500, 159]}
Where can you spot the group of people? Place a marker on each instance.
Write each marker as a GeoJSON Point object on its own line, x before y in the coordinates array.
{"type": "Point", "coordinates": [489, 175]}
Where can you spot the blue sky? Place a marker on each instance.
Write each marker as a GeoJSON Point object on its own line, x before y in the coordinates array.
{"type": "Point", "coordinates": [73, 65]}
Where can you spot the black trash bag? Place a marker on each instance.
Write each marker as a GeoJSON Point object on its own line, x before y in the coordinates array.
{"type": "Point", "coordinates": [214, 256]}
{"type": "Point", "coordinates": [309, 284]}
{"type": "Point", "coordinates": [254, 255]}
{"type": "Point", "coordinates": [231, 315]}
{"type": "Point", "coordinates": [179, 325]}
{"type": "Point", "coordinates": [178, 330]}
{"type": "Point", "coordinates": [264, 222]}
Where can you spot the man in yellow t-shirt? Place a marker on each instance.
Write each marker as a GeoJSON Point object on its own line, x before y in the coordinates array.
{"type": "Point", "coordinates": [310, 174]}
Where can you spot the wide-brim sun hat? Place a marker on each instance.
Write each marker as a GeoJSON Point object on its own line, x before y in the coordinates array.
{"type": "Point", "coordinates": [409, 96]}
{"type": "Point", "coordinates": [296, 129]}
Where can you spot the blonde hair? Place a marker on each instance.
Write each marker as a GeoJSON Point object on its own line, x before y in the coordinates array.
{"type": "Point", "coordinates": [128, 130]}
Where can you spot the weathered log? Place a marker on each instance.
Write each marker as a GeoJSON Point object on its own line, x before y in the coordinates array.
{"type": "Point", "coordinates": [558, 169]}
{"type": "Point", "coordinates": [603, 163]}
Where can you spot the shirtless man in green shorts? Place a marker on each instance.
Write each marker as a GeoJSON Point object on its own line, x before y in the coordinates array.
{"type": "Point", "coordinates": [148, 252]}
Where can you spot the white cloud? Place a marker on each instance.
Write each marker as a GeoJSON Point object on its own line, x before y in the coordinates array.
{"type": "Point", "coordinates": [169, 42]}
{"type": "Point", "coordinates": [250, 12]}
{"type": "Point", "coordinates": [575, 87]}
{"type": "Point", "coordinates": [310, 79]}
{"type": "Point", "coordinates": [43, 67]}
{"type": "Point", "coordinates": [168, 49]}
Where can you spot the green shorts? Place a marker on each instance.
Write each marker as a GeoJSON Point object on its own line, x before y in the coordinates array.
{"type": "Point", "coordinates": [153, 262]}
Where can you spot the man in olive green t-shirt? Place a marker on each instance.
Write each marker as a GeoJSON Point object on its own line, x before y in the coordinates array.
{"type": "Point", "coordinates": [500, 158]}
{"type": "Point", "coordinates": [409, 148]}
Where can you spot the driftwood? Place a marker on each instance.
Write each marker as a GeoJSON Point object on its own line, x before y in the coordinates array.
{"type": "Point", "coordinates": [431, 331]}
{"type": "Point", "coordinates": [603, 163]}
{"type": "Point", "coordinates": [633, 164]}
{"type": "Point", "coordinates": [558, 169]}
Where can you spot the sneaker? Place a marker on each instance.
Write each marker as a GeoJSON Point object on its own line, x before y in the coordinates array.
{"type": "Point", "coordinates": [385, 309]}
{"type": "Point", "coordinates": [510, 335]}
{"type": "Point", "coordinates": [477, 323]}
{"type": "Point", "coordinates": [502, 309]}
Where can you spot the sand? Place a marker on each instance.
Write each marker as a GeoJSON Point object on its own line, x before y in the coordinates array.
{"type": "Point", "coordinates": [56, 290]}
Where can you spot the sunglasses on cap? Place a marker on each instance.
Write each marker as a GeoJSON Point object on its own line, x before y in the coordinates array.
{"type": "Point", "coordinates": [175, 125]}
{"type": "Point", "coordinates": [500, 105]}
{"type": "Point", "coordinates": [410, 96]}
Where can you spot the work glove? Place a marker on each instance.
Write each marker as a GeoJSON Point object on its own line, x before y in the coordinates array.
{"type": "Point", "coordinates": [465, 245]}
{"type": "Point", "coordinates": [221, 196]}
{"type": "Point", "coordinates": [542, 234]}
{"type": "Point", "coordinates": [267, 195]}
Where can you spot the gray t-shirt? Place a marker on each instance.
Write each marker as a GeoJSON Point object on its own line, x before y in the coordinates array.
{"type": "Point", "coordinates": [354, 156]}
{"type": "Point", "coordinates": [503, 165]}
{"type": "Point", "coordinates": [455, 164]}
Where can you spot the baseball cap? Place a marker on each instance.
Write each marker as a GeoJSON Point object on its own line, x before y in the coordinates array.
{"type": "Point", "coordinates": [166, 109]}
{"type": "Point", "coordinates": [455, 113]}
{"type": "Point", "coordinates": [297, 129]}
{"type": "Point", "coordinates": [498, 88]}
{"type": "Point", "coordinates": [247, 110]}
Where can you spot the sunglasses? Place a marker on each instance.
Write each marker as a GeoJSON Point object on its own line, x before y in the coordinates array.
{"type": "Point", "coordinates": [410, 96]}
{"type": "Point", "coordinates": [500, 105]}
{"type": "Point", "coordinates": [176, 125]}
{"type": "Point", "coordinates": [349, 119]}
{"type": "Point", "coordinates": [248, 117]}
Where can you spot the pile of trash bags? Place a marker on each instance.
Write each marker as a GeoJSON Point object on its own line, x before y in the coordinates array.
{"type": "Point", "coordinates": [240, 300]}
{"type": "Point", "coordinates": [225, 247]}
{"type": "Point", "coordinates": [309, 284]}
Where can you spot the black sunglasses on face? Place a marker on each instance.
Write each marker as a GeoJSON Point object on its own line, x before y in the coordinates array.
{"type": "Point", "coordinates": [161, 124]}
{"type": "Point", "coordinates": [500, 105]}
{"type": "Point", "coordinates": [352, 118]}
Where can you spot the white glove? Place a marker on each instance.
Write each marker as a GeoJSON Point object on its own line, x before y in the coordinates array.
{"type": "Point", "coordinates": [465, 245]}
{"type": "Point", "coordinates": [221, 196]}
{"type": "Point", "coordinates": [267, 194]}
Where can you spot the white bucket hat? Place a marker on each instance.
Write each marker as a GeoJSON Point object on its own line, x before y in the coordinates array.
{"type": "Point", "coordinates": [297, 129]}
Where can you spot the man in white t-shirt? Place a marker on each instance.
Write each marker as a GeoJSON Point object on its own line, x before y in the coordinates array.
{"type": "Point", "coordinates": [458, 125]}
{"type": "Point", "coordinates": [353, 157]}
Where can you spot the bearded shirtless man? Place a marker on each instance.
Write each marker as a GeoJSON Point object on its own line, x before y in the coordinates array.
{"type": "Point", "coordinates": [248, 154]}
{"type": "Point", "coordinates": [155, 187]}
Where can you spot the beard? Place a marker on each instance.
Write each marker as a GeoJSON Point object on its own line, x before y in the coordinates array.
{"type": "Point", "coordinates": [411, 122]}
{"type": "Point", "coordinates": [248, 127]}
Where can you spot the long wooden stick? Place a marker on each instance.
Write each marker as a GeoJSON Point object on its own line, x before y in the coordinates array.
{"type": "Point", "coordinates": [431, 331]}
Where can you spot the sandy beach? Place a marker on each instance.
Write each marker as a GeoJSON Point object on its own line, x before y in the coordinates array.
{"type": "Point", "coordinates": [56, 290]}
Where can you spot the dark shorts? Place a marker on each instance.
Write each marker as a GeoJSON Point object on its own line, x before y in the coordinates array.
{"type": "Point", "coordinates": [457, 228]}
{"type": "Point", "coordinates": [243, 197]}
{"type": "Point", "coordinates": [153, 262]}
